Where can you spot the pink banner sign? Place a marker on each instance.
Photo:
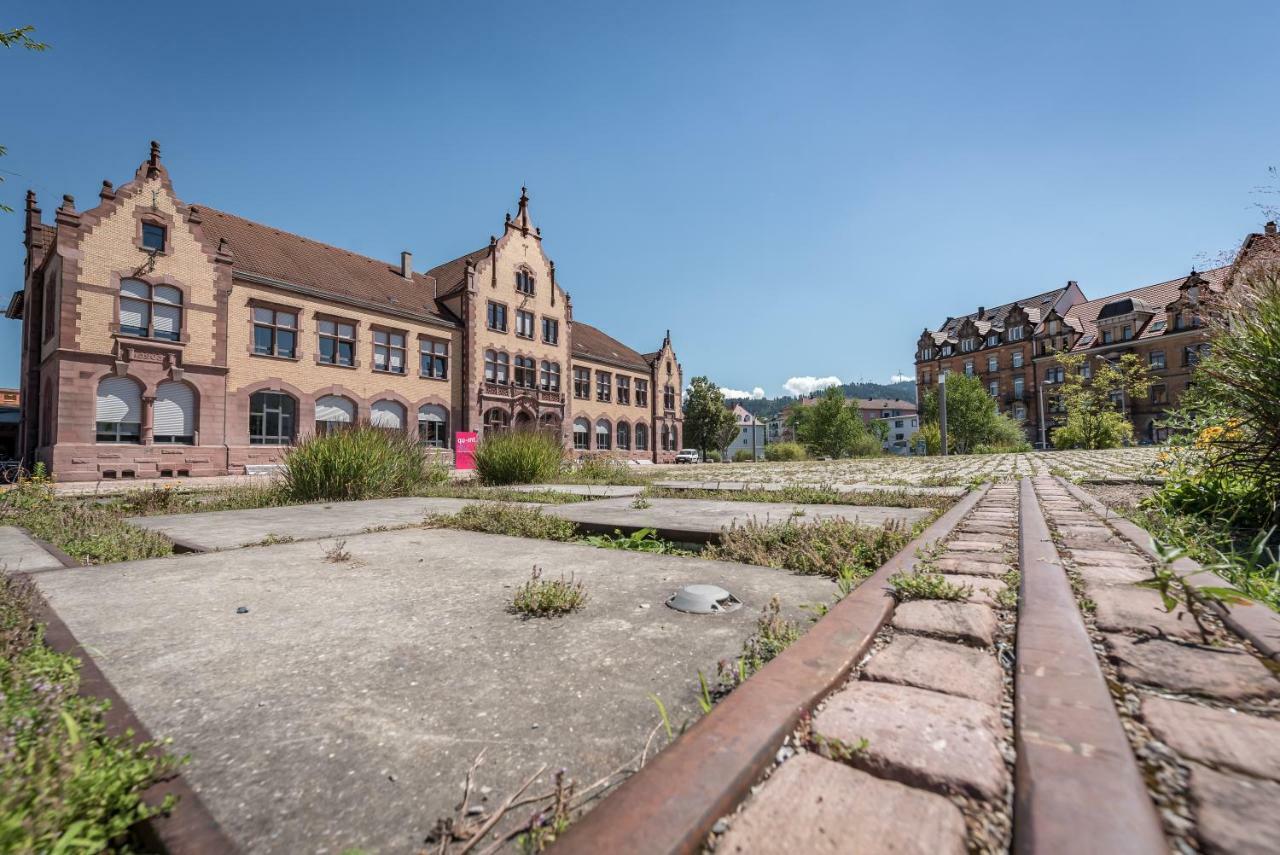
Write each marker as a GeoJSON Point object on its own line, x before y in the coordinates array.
{"type": "Point", "coordinates": [464, 450]}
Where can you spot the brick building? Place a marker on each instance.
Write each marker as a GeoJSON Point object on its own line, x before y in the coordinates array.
{"type": "Point", "coordinates": [1013, 347]}
{"type": "Point", "coordinates": [164, 338]}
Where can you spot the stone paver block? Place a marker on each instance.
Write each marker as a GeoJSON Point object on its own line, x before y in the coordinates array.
{"type": "Point", "coordinates": [1229, 675]}
{"type": "Point", "coordinates": [1235, 815]}
{"type": "Point", "coordinates": [1108, 557]}
{"type": "Point", "coordinates": [1112, 574]}
{"type": "Point", "coordinates": [820, 806]}
{"type": "Point", "coordinates": [984, 588]}
{"type": "Point", "coordinates": [20, 554]}
{"type": "Point", "coordinates": [967, 622]}
{"type": "Point", "coordinates": [1222, 738]}
{"type": "Point", "coordinates": [926, 739]}
{"type": "Point", "coordinates": [1128, 609]}
{"type": "Point", "coordinates": [980, 527]}
{"type": "Point", "coordinates": [954, 669]}
{"type": "Point", "coordinates": [974, 546]}
{"type": "Point", "coordinates": [963, 564]}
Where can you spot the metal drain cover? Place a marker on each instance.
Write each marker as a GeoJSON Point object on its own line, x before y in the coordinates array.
{"type": "Point", "coordinates": [703, 600]}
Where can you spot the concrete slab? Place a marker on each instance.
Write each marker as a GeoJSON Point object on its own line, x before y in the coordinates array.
{"type": "Point", "coordinates": [604, 490]}
{"type": "Point", "coordinates": [205, 532]}
{"type": "Point", "coordinates": [345, 707]}
{"type": "Point", "coordinates": [20, 554]}
{"type": "Point", "coordinates": [774, 486]}
{"type": "Point", "coordinates": [699, 520]}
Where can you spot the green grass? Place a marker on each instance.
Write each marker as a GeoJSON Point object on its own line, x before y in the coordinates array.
{"type": "Point", "coordinates": [927, 586]}
{"type": "Point", "coordinates": [65, 785]}
{"type": "Point", "coordinates": [509, 519]}
{"type": "Point", "coordinates": [548, 597]}
{"type": "Point", "coordinates": [643, 540]}
{"type": "Point", "coordinates": [359, 462]}
{"type": "Point", "coordinates": [600, 469]}
{"type": "Point", "coordinates": [811, 496]}
{"type": "Point", "coordinates": [519, 457]}
{"type": "Point", "coordinates": [825, 547]}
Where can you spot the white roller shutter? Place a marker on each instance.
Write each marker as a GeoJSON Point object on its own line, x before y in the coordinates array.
{"type": "Point", "coordinates": [431, 413]}
{"type": "Point", "coordinates": [332, 408]}
{"type": "Point", "coordinates": [174, 411]}
{"type": "Point", "coordinates": [119, 400]}
{"type": "Point", "coordinates": [387, 414]}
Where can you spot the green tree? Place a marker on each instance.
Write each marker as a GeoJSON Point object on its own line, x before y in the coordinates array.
{"type": "Point", "coordinates": [974, 423]}
{"type": "Point", "coordinates": [708, 423]}
{"type": "Point", "coordinates": [20, 37]}
{"type": "Point", "coordinates": [832, 427]}
{"type": "Point", "coordinates": [1093, 404]}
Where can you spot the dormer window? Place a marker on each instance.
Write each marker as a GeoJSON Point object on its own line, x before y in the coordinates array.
{"type": "Point", "coordinates": [1126, 333]}
{"type": "Point", "coordinates": [524, 282]}
{"type": "Point", "coordinates": [927, 353]}
{"type": "Point", "coordinates": [967, 344]}
{"type": "Point", "coordinates": [153, 236]}
{"type": "Point", "coordinates": [1108, 336]}
{"type": "Point", "coordinates": [1053, 327]}
{"type": "Point", "coordinates": [993, 339]}
{"type": "Point", "coordinates": [1015, 333]}
{"type": "Point", "coordinates": [1193, 293]}
{"type": "Point", "coordinates": [947, 350]}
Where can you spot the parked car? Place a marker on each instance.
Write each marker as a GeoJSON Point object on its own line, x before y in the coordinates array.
{"type": "Point", "coordinates": [688, 455]}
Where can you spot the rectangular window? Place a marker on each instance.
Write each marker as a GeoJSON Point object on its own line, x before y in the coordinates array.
{"type": "Point", "coordinates": [582, 383]}
{"type": "Point", "coordinates": [669, 398]}
{"type": "Point", "coordinates": [1019, 384]}
{"type": "Point", "coordinates": [153, 236]}
{"type": "Point", "coordinates": [1127, 333]}
{"type": "Point", "coordinates": [968, 368]}
{"type": "Point", "coordinates": [497, 316]}
{"type": "Point", "coordinates": [642, 393]}
{"type": "Point", "coordinates": [524, 323]}
{"type": "Point", "coordinates": [993, 363]}
{"type": "Point", "coordinates": [434, 357]}
{"type": "Point", "coordinates": [337, 342]}
{"type": "Point", "coordinates": [1157, 360]}
{"type": "Point", "coordinates": [1108, 336]}
{"type": "Point", "coordinates": [604, 386]}
{"type": "Point", "coordinates": [388, 351]}
{"type": "Point", "coordinates": [993, 388]}
{"type": "Point", "coordinates": [1017, 359]}
{"type": "Point", "coordinates": [550, 330]}
{"type": "Point", "coordinates": [624, 390]}
{"type": "Point", "coordinates": [1015, 333]}
{"type": "Point", "coordinates": [1159, 395]}
{"type": "Point", "coordinates": [275, 333]}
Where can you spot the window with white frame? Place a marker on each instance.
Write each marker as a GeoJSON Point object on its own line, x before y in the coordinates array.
{"type": "Point", "coordinates": [151, 311]}
{"type": "Point", "coordinates": [433, 426]}
{"type": "Point", "coordinates": [119, 410]}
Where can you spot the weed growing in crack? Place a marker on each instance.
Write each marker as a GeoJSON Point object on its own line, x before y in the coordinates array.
{"type": "Point", "coordinates": [927, 586]}
{"type": "Point", "coordinates": [337, 554]}
{"type": "Point", "coordinates": [509, 519]}
{"type": "Point", "coordinates": [643, 540]}
{"type": "Point", "coordinates": [1175, 589]}
{"type": "Point", "coordinates": [823, 547]}
{"type": "Point", "coordinates": [641, 503]}
{"type": "Point", "coordinates": [1008, 598]}
{"type": "Point", "coordinates": [549, 597]}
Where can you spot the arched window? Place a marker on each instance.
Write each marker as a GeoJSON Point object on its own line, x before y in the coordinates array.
{"type": "Point", "coordinates": [666, 438]}
{"type": "Point", "coordinates": [433, 426]}
{"type": "Point", "coordinates": [173, 415]}
{"type": "Point", "coordinates": [550, 421]}
{"type": "Point", "coordinates": [550, 379]}
{"type": "Point", "coordinates": [495, 366]}
{"type": "Point", "coordinates": [119, 414]}
{"type": "Point", "coordinates": [272, 418]}
{"type": "Point", "coordinates": [642, 437]}
{"type": "Point", "coordinates": [496, 419]}
{"type": "Point", "coordinates": [387, 414]}
{"type": "Point", "coordinates": [524, 281]}
{"type": "Point", "coordinates": [333, 412]}
{"type": "Point", "coordinates": [581, 434]}
{"type": "Point", "coordinates": [153, 311]}
{"type": "Point", "coordinates": [624, 436]}
{"type": "Point", "coordinates": [526, 372]}
{"type": "Point", "coordinates": [604, 434]}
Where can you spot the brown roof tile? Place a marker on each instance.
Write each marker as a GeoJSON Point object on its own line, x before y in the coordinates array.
{"type": "Point", "coordinates": [270, 252]}
{"type": "Point", "coordinates": [449, 276]}
{"type": "Point", "coordinates": [590, 342]}
{"type": "Point", "coordinates": [1084, 316]}
{"type": "Point", "coordinates": [996, 314]}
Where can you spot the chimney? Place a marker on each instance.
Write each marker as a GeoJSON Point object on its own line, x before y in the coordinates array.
{"type": "Point", "coordinates": [982, 312]}
{"type": "Point", "coordinates": [1270, 228]}
{"type": "Point", "coordinates": [406, 265]}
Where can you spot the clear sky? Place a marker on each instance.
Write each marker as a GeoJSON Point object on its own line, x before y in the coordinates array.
{"type": "Point", "coordinates": [795, 189]}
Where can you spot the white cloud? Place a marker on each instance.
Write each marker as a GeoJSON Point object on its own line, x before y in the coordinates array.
{"type": "Point", "coordinates": [801, 386]}
{"type": "Point", "coordinates": [755, 394]}
{"type": "Point", "coordinates": [900, 378]}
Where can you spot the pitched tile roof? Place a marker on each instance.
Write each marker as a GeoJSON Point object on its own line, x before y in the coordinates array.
{"type": "Point", "coordinates": [1084, 316]}
{"type": "Point", "coordinates": [267, 251]}
{"type": "Point", "coordinates": [885, 404]}
{"type": "Point", "coordinates": [591, 343]}
{"type": "Point", "coordinates": [995, 316]}
{"type": "Point", "coordinates": [449, 276]}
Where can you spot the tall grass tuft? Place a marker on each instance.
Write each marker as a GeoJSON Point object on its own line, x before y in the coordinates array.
{"type": "Point", "coordinates": [601, 468]}
{"type": "Point", "coordinates": [360, 462]}
{"type": "Point", "coordinates": [519, 457]}
{"type": "Point", "coordinates": [825, 547]}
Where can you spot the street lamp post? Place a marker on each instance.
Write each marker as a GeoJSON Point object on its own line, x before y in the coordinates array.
{"type": "Point", "coordinates": [942, 411]}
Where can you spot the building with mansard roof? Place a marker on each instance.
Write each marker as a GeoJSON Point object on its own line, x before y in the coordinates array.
{"type": "Point", "coordinates": [162, 338]}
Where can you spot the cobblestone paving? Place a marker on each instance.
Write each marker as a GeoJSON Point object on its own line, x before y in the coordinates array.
{"type": "Point", "coordinates": [1121, 464]}
{"type": "Point", "coordinates": [921, 732]}
{"type": "Point", "coordinates": [1201, 709]}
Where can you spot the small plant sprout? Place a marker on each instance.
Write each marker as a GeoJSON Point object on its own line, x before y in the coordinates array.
{"type": "Point", "coordinates": [1175, 588]}
{"type": "Point", "coordinates": [643, 540]}
{"type": "Point", "coordinates": [337, 554]}
{"type": "Point", "coordinates": [548, 597]}
{"type": "Point", "coordinates": [641, 503]}
{"type": "Point", "coordinates": [927, 586]}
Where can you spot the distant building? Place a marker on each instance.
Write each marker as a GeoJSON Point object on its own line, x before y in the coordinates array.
{"type": "Point", "coordinates": [751, 436]}
{"type": "Point", "coordinates": [902, 431]}
{"type": "Point", "coordinates": [884, 408]}
{"type": "Point", "coordinates": [10, 416]}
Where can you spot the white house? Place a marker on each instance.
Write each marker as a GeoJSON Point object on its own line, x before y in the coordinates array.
{"type": "Point", "coordinates": [751, 435]}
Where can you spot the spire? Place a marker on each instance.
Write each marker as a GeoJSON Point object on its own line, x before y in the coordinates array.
{"type": "Point", "coordinates": [155, 153]}
{"type": "Point", "coordinates": [521, 220]}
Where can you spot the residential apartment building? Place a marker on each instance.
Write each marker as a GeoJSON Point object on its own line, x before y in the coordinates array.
{"type": "Point", "coordinates": [1014, 347]}
{"type": "Point", "coordinates": [751, 437]}
{"type": "Point", "coordinates": [164, 338]}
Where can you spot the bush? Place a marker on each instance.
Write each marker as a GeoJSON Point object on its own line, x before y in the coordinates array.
{"type": "Point", "coordinates": [826, 547]}
{"type": "Point", "coordinates": [932, 436]}
{"type": "Point", "coordinates": [65, 785]}
{"type": "Point", "coordinates": [714, 456]}
{"type": "Point", "coordinates": [602, 469]}
{"type": "Point", "coordinates": [519, 457]}
{"type": "Point", "coordinates": [780, 452]}
{"type": "Point", "coordinates": [359, 462]}
{"type": "Point", "coordinates": [743, 455]}
{"type": "Point", "coordinates": [511, 519]}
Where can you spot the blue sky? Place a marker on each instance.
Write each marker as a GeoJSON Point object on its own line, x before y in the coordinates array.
{"type": "Point", "coordinates": [795, 189]}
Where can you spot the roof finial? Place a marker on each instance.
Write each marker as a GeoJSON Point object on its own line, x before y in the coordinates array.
{"type": "Point", "coordinates": [522, 216]}
{"type": "Point", "coordinates": [155, 153]}
{"type": "Point", "coordinates": [31, 199]}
